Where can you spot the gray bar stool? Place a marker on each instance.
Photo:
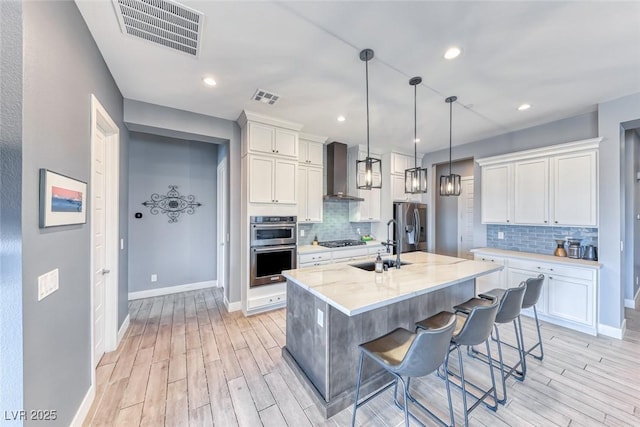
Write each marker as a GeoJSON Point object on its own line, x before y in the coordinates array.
{"type": "Point", "coordinates": [472, 328]}
{"type": "Point", "coordinates": [508, 311]}
{"type": "Point", "coordinates": [404, 355]}
{"type": "Point", "coordinates": [531, 297]}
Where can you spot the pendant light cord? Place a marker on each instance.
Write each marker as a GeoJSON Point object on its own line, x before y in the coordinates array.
{"type": "Point", "coordinates": [366, 67]}
{"type": "Point", "coordinates": [450, 121]}
{"type": "Point", "coordinates": [415, 127]}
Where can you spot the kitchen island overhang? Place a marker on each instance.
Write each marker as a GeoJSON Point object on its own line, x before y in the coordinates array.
{"type": "Point", "coordinates": [331, 309]}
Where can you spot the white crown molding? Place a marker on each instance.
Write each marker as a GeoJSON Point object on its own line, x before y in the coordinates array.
{"type": "Point", "coordinates": [314, 138]}
{"type": "Point", "coordinates": [249, 116]}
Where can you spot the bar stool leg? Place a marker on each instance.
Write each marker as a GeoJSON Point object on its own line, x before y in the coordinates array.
{"type": "Point", "coordinates": [535, 314]}
{"type": "Point", "coordinates": [355, 404]}
{"type": "Point", "coordinates": [462, 385]}
{"type": "Point", "coordinates": [504, 382]}
{"type": "Point", "coordinates": [448, 386]}
{"type": "Point", "coordinates": [405, 386]}
{"type": "Point", "coordinates": [521, 351]}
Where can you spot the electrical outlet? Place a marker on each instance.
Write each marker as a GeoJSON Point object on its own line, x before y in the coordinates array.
{"type": "Point", "coordinates": [320, 318]}
{"type": "Point", "coordinates": [47, 284]}
{"type": "Point", "coordinates": [358, 231]}
{"type": "Point", "coordinates": [121, 244]}
{"type": "Point", "coordinates": [154, 277]}
{"type": "Point", "coordinates": [301, 232]}
{"type": "Point", "coordinates": [501, 235]}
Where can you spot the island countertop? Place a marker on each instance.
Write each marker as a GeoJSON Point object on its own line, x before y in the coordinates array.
{"type": "Point", "coordinates": [354, 291]}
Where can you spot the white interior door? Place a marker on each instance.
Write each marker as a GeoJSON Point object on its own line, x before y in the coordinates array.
{"type": "Point", "coordinates": [465, 218]}
{"type": "Point", "coordinates": [105, 172]}
{"type": "Point", "coordinates": [222, 224]}
{"type": "Point", "coordinates": [98, 246]}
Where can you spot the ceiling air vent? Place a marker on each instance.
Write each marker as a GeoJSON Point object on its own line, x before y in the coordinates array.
{"type": "Point", "coordinates": [163, 22]}
{"type": "Point", "coordinates": [265, 97]}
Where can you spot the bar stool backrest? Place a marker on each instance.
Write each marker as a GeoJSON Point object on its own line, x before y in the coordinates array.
{"type": "Point", "coordinates": [427, 351]}
{"type": "Point", "coordinates": [534, 289]}
{"type": "Point", "coordinates": [478, 325]}
{"type": "Point", "coordinates": [511, 303]}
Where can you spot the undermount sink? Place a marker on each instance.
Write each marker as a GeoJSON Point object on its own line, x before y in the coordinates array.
{"type": "Point", "coordinates": [371, 265]}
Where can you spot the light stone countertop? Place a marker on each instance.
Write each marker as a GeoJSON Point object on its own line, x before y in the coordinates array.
{"type": "Point", "coordinates": [354, 291]}
{"type": "Point", "coordinates": [529, 256]}
{"type": "Point", "coordinates": [307, 249]}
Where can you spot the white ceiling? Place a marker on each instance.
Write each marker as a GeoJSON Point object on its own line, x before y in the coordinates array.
{"type": "Point", "coordinates": [563, 58]}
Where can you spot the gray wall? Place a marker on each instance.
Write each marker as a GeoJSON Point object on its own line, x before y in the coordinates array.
{"type": "Point", "coordinates": [11, 331]}
{"type": "Point", "coordinates": [182, 252]}
{"type": "Point", "coordinates": [155, 119]}
{"type": "Point", "coordinates": [62, 68]}
{"type": "Point", "coordinates": [631, 203]}
{"type": "Point", "coordinates": [446, 209]}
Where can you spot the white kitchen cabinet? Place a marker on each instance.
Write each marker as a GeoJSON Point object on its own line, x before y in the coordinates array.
{"type": "Point", "coordinates": [571, 299]}
{"type": "Point", "coordinates": [272, 180]}
{"type": "Point", "coordinates": [310, 152]}
{"type": "Point", "coordinates": [400, 162]}
{"type": "Point", "coordinates": [493, 280]}
{"type": "Point", "coordinates": [263, 138]}
{"type": "Point", "coordinates": [497, 194]}
{"type": "Point", "coordinates": [575, 189]}
{"type": "Point", "coordinates": [531, 191]}
{"type": "Point", "coordinates": [369, 209]}
{"type": "Point", "coordinates": [515, 276]}
{"type": "Point", "coordinates": [309, 194]}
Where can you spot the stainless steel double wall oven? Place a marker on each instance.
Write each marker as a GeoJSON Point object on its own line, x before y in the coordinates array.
{"type": "Point", "coordinates": [273, 248]}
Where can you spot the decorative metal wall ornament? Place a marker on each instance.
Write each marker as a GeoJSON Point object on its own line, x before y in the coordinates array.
{"type": "Point", "coordinates": [173, 204]}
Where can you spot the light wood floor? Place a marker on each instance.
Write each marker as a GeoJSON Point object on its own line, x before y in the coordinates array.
{"type": "Point", "coordinates": [186, 361]}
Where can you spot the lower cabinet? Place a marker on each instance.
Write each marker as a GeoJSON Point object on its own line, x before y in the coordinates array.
{"type": "Point", "coordinates": [493, 280]}
{"type": "Point", "coordinates": [569, 293]}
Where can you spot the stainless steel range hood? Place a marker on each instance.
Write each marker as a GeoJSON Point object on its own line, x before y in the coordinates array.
{"type": "Point", "coordinates": [337, 173]}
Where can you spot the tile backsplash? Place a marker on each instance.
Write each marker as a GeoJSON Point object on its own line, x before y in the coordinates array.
{"type": "Point", "coordinates": [534, 239]}
{"type": "Point", "coordinates": [335, 225]}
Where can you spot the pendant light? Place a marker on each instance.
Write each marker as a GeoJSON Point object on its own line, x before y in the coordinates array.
{"type": "Point", "coordinates": [450, 184]}
{"type": "Point", "coordinates": [369, 170]}
{"type": "Point", "coordinates": [415, 179]}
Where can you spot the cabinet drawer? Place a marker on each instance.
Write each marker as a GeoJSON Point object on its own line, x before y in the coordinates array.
{"type": "Point", "coordinates": [314, 257]}
{"type": "Point", "coordinates": [350, 254]}
{"type": "Point", "coordinates": [313, 264]}
{"type": "Point", "coordinates": [266, 301]}
{"type": "Point", "coordinates": [547, 269]}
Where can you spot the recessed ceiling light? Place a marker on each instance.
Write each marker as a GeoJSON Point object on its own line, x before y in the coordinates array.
{"type": "Point", "coordinates": [452, 52]}
{"type": "Point", "coordinates": [209, 81]}
{"type": "Point", "coordinates": [524, 107]}
{"type": "Point", "coordinates": [341, 118]}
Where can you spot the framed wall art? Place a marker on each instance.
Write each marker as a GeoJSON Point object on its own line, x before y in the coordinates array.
{"type": "Point", "coordinates": [63, 200]}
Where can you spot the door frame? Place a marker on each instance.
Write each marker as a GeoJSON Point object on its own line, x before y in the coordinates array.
{"type": "Point", "coordinates": [101, 119]}
{"type": "Point", "coordinates": [222, 220]}
{"type": "Point", "coordinates": [460, 205]}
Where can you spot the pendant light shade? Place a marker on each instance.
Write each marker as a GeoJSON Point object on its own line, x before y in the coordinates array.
{"type": "Point", "coordinates": [415, 178]}
{"type": "Point", "coordinates": [450, 185]}
{"type": "Point", "coordinates": [369, 170]}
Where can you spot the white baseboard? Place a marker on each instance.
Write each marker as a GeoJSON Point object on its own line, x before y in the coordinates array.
{"type": "Point", "coordinates": [232, 306]}
{"type": "Point", "coordinates": [172, 289]}
{"type": "Point", "coordinates": [612, 332]}
{"type": "Point", "coordinates": [84, 408]}
{"type": "Point", "coordinates": [631, 303]}
{"type": "Point", "coordinates": [123, 329]}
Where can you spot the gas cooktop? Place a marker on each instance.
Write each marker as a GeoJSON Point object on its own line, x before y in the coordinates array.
{"type": "Point", "coordinates": [341, 243]}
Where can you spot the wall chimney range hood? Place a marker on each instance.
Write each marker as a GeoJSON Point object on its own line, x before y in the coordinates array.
{"type": "Point", "coordinates": [337, 173]}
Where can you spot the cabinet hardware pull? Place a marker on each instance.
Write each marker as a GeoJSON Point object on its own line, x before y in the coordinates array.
{"type": "Point", "coordinates": [551, 269]}
{"type": "Point", "coordinates": [555, 222]}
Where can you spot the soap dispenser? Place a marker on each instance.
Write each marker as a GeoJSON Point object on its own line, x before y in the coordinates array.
{"type": "Point", "coordinates": [378, 264]}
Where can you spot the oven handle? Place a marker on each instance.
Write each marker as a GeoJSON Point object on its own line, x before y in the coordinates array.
{"type": "Point", "coordinates": [281, 225]}
{"type": "Point", "coordinates": [273, 248]}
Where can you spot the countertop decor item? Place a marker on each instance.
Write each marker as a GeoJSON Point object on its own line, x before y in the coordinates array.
{"type": "Point", "coordinates": [173, 204]}
{"type": "Point", "coordinates": [590, 253]}
{"type": "Point", "coordinates": [415, 178]}
{"type": "Point", "coordinates": [367, 169]}
{"type": "Point", "coordinates": [574, 250]}
{"type": "Point", "coordinates": [450, 185]}
{"type": "Point", "coordinates": [63, 200]}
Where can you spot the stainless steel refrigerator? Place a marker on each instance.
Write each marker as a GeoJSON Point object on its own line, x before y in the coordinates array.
{"type": "Point", "coordinates": [412, 226]}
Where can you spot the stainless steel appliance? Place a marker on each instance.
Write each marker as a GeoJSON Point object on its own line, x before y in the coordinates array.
{"type": "Point", "coordinates": [411, 221]}
{"type": "Point", "coordinates": [574, 250]}
{"type": "Point", "coordinates": [590, 252]}
{"type": "Point", "coordinates": [273, 248]}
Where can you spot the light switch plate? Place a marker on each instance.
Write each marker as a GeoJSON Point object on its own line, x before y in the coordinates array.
{"type": "Point", "coordinates": [501, 235]}
{"type": "Point", "coordinates": [48, 283]}
{"type": "Point", "coordinates": [301, 233]}
{"type": "Point", "coordinates": [154, 277]}
{"type": "Point", "coordinates": [320, 318]}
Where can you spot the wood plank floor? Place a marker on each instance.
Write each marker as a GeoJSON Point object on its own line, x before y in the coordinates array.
{"type": "Point", "coordinates": [185, 361]}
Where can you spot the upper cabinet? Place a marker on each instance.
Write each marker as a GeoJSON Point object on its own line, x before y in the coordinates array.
{"type": "Point", "coordinates": [271, 140]}
{"type": "Point", "coordinates": [368, 210]}
{"type": "Point", "coordinates": [398, 163]}
{"type": "Point", "coordinates": [554, 185]}
{"type": "Point", "coordinates": [272, 180]}
{"type": "Point", "coordinates": [311, 150]}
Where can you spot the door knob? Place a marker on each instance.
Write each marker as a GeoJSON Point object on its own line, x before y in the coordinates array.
{"type": "Point", "coordinates": [105, 271]}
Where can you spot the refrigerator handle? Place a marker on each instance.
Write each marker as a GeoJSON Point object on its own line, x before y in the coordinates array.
{"type": "Point", "coordinates": [416, 226]}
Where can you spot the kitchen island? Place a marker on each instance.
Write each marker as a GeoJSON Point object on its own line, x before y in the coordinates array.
{"type": "Point", "coordinates": [331, 309]}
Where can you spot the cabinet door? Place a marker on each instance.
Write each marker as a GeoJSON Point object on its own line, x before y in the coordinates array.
{"type": "Point", "coordinates": [314, 194]}
{"type": "Point", "coordinates": [286, 143]}
{"type": "Point", "coordinates": [575, 189]}
{"type": "Point", "coordinates": [303, 176]}
{"type": "Point", "coordinates": [531, 192]}
{"type": "Point", "coordinates": [285, 178]}
{"type": "Point", "coordinates": [315, 152]}
{"type": "Point", "coordinates": [397, 188]}
{"type": "Point", "coordinates": [496, 194]}
{"type": "Point", "coordinates": [399, 163]}
{"type": "Point", "coordinates": [493, 280]}
{"type": "Point", "coordinates": [261, 138]}
{"type": "Point", "coordinates": [516, 275]}
{"type": "Point", "coordinates": [570, 299]}
{"type": "Point", "coordinates": [261, 180]}
{"type": "Point", "coordinates": [374, 205]}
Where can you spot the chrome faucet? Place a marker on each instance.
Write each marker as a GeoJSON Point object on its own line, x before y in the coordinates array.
{"type": "Point", "coordinates": [393, 243]}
